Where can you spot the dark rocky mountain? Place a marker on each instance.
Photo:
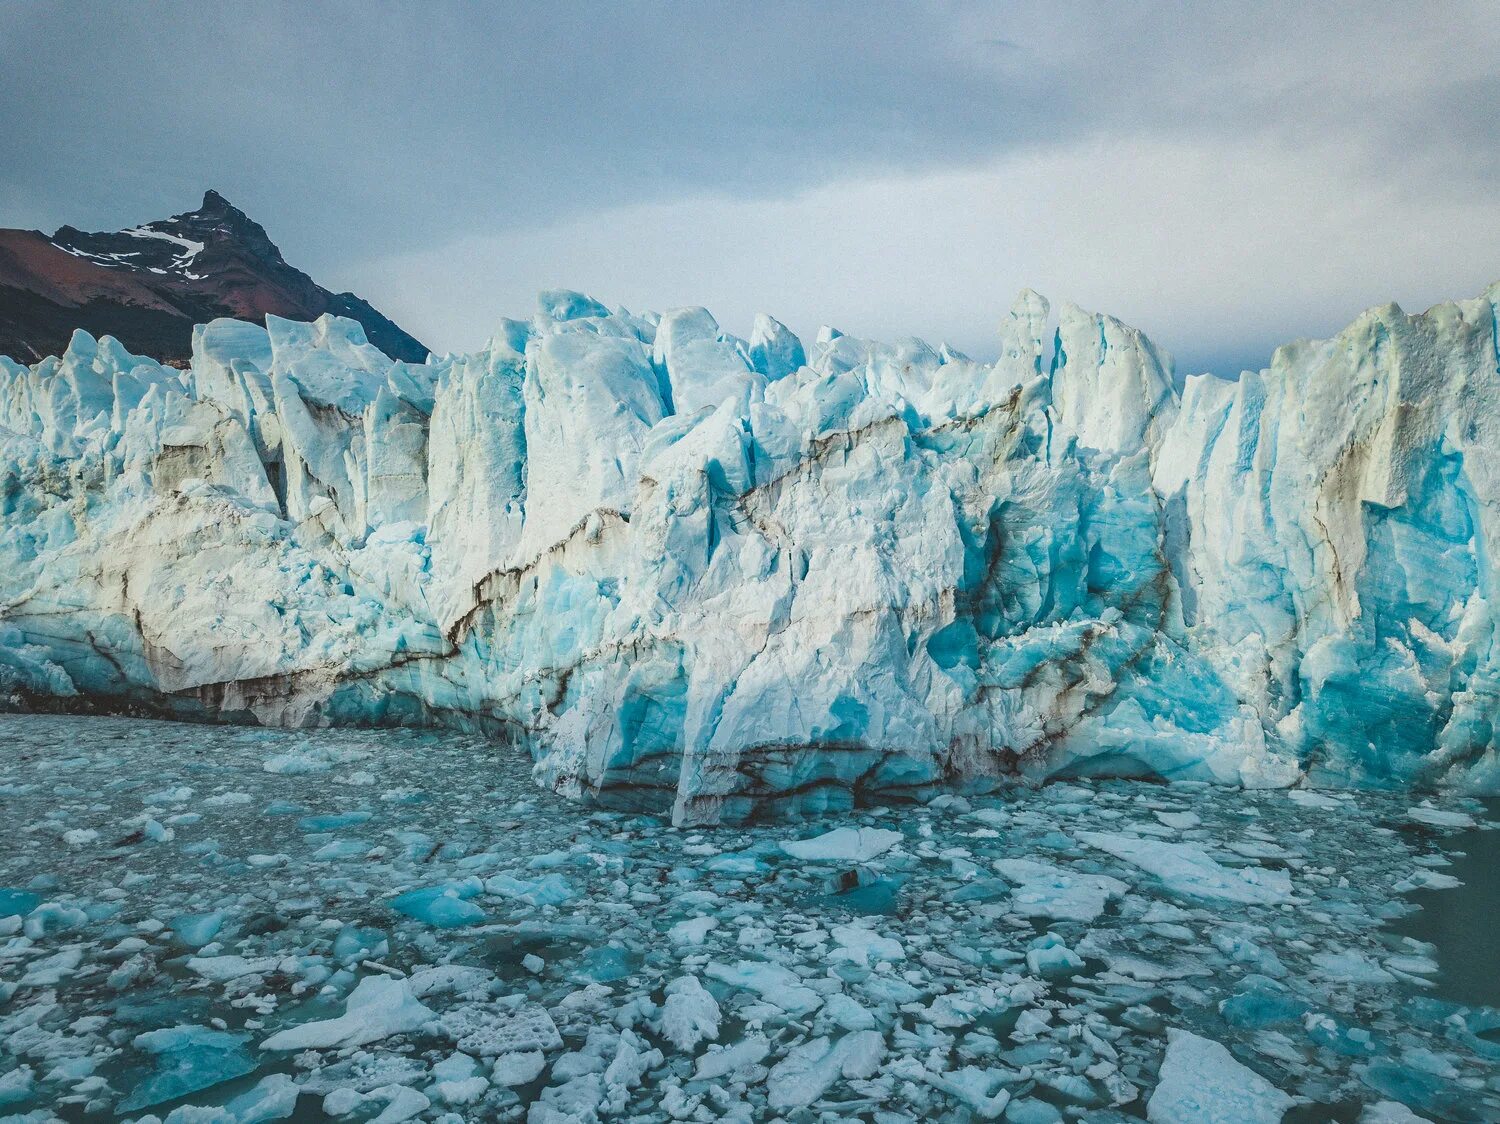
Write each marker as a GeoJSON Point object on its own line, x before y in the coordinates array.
{"type": "Point", "coordinates": [147, 286]}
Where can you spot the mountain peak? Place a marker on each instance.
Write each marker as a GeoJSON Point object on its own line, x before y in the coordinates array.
{"type": "Point", "coordinates": [149, 284]}
{"type": "Point", "coordinates": [215, 206]}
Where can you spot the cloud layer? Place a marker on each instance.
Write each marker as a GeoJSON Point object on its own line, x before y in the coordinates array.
{"type": "Point", "coordinates": [1227, 180]}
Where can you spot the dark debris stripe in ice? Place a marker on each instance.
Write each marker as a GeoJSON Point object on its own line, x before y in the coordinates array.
{"type": "Point", "coordinates": [398, 925]}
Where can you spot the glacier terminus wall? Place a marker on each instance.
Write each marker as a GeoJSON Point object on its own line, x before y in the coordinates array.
{"type": "Point", "coordinates": [720, 577]}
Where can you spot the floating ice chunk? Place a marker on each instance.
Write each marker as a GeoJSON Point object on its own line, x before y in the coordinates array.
{"type": "Point", "coordinates": [51, 970]}
{"type": "Point", "coordinates": [467, 1091]}
{"type": "Point", "coordinates": [377, 1008]}
{"type": "Point", "coordinates": [553, 889]}
{"type": "Point", "coordinates": [1069, 794]}
{"type": "Point", "coordinates": [178, 795]}
{"type": "Point", "coordinates": [273, 1098]}
{"type": "Point", "coordinates": [1181, 821]}
{"type": "Point", "coordinates": [402, 1103]}
{"type": "Point", "coordinates": [735, 1058]}
{"type": "Point", "coordinates": [16, 1085]}
{"type": "Point", "coordinates": [519, 1067]}
{"type": "Point", "coordinates": [690, 1014]}
{"type": "Point", "coordinates": [808, 1070]}
{"type": "Point", "coordinates": [1390, 1112]}
{"type": "Point", "coordinates": [846, 1013]}
{"type": "Point", "coordinates": [1262, 1002]}
{"type": "Point", "coordinates": [1412, 965]}
{"type": "Point", "coordinates": [1029, 1110]}
{"type": "Point", "coordinates": [442, 907]}
{"type": "Point", "coordinates": [1200, 1083]}
{"type": "Point", "coordinates": [858, 945]}
{"type": "Point", "coordinates": [1439, 817]}
{"type": "Point", "coordinates": [776, 985]}
{"type": "Point", "coordinates": [188, 1059]}
{"type": "Point", "coordinates": [341, 849]}
{"type": "Point", "coordinates": [457, 1081]}
{"type": "Point", "coordinates": [342, 1102]}
{"type": "Point", "coordinates": [1031, 1023]}
{"type": "Point", "coordinates": [1349, 965]}
{"type": "Point", "coordinates": [844, 844]}
{"type": "Point", "coordinates": [296, 764]}
{"type": "Point", "coordinates": [449, 979]}
{"type": "Point", "coordinates": [222, 969]}
{"type": "Point", "coordinates": [585, 1089]}
{"type": "Point", "coordinates": [333, 821]}
{"type": "Point", "coordinates": [1260, 849]}
{"type": "Point", "coordinates": [1334, 1034]}
{"type": "Point", "coordinates": [981, 1090]}
{"type": "Point", "coordinates": [1243, 950]}
{"type": "Point", "coordinates": [196, 929]}
{"type": "Point", "coordinates": [360, 942]}
{"type": "Point", "coordinates": [1188, 870]}
{"type": "Point", "coordinates": [53, 917]}
{"type": "Point", "coordinates": [607, 964]}
{"type": "Point", "coordinates": [961, 1008]}
{"type": "Point", "coordinates": [1308, 799]}
{"type": "Point", "coordinates": [1045, 890]}
{"type": "Point", "coordinates": [487, 1032]}
{"type": "Point", "coordinates": [1050, 958]}
{"type": "Point", "coordinates": [746, 863]}
{"type": "Point", "coordinates": [694, 931]}
{"type": "Point", "coordinates": [1424, 879]}
{"type": "Point", "coordinates": [631, 1063]}
{"type": "Point", "coordinates": [80, 837]}
{"type": "Point", "coordinates": [995, 818]}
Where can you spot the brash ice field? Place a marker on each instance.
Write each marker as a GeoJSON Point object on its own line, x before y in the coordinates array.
{"type": "Point", "coordinates": [630, 721]}
{"type": "Point", "coordinates": [394, 924]}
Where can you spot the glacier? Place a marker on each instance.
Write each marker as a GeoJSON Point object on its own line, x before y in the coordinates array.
{"type": "Point", "coordinates": [729, 577]}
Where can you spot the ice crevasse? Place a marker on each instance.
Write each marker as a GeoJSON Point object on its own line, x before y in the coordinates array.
{"type": "Point", "coordinates": [724, 577]}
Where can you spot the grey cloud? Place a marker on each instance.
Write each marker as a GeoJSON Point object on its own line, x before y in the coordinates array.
{"type": "Point", "coordinates": [364, 132]}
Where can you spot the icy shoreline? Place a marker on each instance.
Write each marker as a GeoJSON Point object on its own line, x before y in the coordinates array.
{"type": "Point", "coordinates": [196, 907]}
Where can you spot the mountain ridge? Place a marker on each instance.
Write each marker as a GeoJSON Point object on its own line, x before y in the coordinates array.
{"type": "Point", "coordinates": [148, 285]}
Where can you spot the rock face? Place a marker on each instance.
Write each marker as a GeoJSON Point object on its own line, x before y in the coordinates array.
{"type": "Point", "coordinates": [693, 572]}
{"type": "Point", "coordinates": [149, 285]}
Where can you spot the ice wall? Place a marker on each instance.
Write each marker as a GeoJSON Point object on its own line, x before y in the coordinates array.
{"type": "Point", "coordinates": [690, 571]}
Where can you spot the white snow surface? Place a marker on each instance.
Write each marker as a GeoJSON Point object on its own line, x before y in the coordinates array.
{"type": "Point", "coordinates": [693, 572]}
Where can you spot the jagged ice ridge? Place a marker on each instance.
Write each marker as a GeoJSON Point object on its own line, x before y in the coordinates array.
{"type": "Point", "coordinates": [720, 576]}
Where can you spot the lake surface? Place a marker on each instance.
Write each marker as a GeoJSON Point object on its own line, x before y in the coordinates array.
{"type": "Point", "coordinates": [1464, 923]}
{"type": "Point", "coordinates": [392, 925]}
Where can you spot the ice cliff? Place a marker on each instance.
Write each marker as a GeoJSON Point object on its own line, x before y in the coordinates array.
{"type": "Point", "coordinates": [691, 571]}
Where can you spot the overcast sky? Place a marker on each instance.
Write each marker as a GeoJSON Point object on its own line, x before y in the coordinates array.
{"type": "Point", "coordinates": [1225, 179]}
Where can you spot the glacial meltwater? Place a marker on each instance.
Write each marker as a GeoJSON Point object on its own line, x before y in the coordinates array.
{"type": "Point", "coordinates": [224, 925]}
{"type": "Point", "coordinates": [1464, 925]}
